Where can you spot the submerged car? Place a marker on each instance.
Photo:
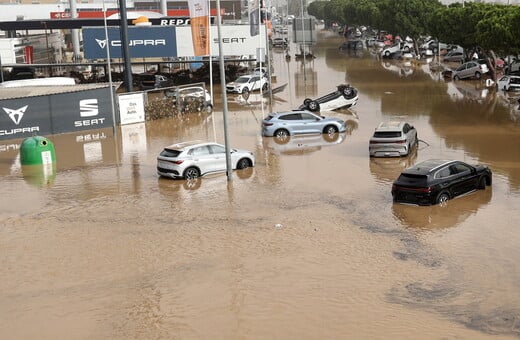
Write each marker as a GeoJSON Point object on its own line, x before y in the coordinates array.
{"type": "Point", "coordinates": [436, 181]}
{"type": "Point", "coordinates": [285, 124]}
{"type": "Point", "coordinates": [153, 81]}
{"type": "Point", "coordinates": [248, 83]}
{"type": "Point", "coordinates": [190, 160]}
{"type": "Point", "coordinates": [344, 97]}
{"type": "Point", "coordinates": [392, 139]}
{"type": "Point", "coordinates": [454, 56]}
{"type": "Point", "coordinates": [470, 69]}
{"type": "Point", "coordinates": [509, 83]}
{"type": "Point", "coordinates": [403, 46]}
{"type": "Point", "coordinates": [185, 95]}
{"type": "Point", "coordinates": [280, 42]}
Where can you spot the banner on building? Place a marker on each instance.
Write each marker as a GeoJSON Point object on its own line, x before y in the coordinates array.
{"type": "Point", "coordinates": [199, 16]}
{"type": "Point", "coordinates": [235, 41]}
{"type": "Point", "coordinates": [254, 17]}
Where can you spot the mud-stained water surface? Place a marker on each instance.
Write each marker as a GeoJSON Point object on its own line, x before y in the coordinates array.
{"type": "Point", "coordinates": [307, 245]}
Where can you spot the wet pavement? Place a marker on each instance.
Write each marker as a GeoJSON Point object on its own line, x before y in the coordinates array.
{"type": "Point", "coordinates": [306, 245]}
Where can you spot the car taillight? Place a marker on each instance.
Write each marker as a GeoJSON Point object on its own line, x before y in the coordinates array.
{"type": "Point", "coordinates": [178, 162]}
{"type": "Point", "coordinates": [268, 124]}
{"type": "Point", "coordinates": [425, 190]}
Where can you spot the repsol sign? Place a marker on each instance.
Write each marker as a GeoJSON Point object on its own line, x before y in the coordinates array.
{"type": "Point", "coordinates": [143, 42]}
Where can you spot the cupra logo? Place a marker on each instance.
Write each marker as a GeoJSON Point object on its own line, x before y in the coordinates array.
{"type": "Point", "coordinates": [16, 115]}
{"type": "Point", "coordinates": [101, 43]}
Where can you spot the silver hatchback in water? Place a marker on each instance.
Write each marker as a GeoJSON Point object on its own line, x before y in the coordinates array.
{"type": "Point", "coordinates": [392, 139]}
{"type": "Point", "coordinates": [190, 160]}
{"type": "Point", "coordinates": [289, 123]}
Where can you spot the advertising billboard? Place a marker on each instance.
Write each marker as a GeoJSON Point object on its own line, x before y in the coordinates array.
{"type": "Point", "coordinates": [143, 42]}
{"type": "Point", "coordinates": [56, 113]}
{"type": "Point", "coordinates": [236, 40]}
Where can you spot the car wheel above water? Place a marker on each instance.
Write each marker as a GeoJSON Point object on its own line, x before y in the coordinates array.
{"type": "Point", "coordinates": [281, 134]}
{"type": "Point", "coordinates": [330, 130]}
{"type": "Point", "coordinates": [443, 199]}
{"type": "Point", "coordinates": [191, 173]}
{"type": "Point", "coordinates": [244, 163]}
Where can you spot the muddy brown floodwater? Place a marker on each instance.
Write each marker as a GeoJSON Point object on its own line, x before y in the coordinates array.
{"type": "Point", "coordinates": [307, 245]}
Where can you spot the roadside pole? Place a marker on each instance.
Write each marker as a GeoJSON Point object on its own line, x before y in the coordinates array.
{"type": "Point", "coordinates": [229, 169]}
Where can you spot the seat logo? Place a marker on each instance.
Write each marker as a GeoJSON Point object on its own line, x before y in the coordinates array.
{"type": "Point", "coordinates": [88, 107]}
{"type": "Point", "coordinates": [16, 115]}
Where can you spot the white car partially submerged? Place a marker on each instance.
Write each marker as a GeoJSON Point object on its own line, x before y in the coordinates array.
{"type": "Point", "coordinates": [509, 83]}
{"type": "Point", "coordinates": [344, 97]}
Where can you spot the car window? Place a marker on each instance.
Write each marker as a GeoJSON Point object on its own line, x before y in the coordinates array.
{"type": "Point", "coordinates": [387, 134]}
{"type": "Point", "coordinates": [257, 78]}
{"type": "Point", "coordinates": [200, 151]}
{"type": "Point", "coordinates": [217, 149]}
{"type": "Point", "coordinates": [170, 153]}
{"type": "Point", "coordinates": [413, 179]}
{"type": "Point", "coordinates": [292, 116]}
{"type": "Point", "coordinates": [459, 168]}
{"type": "Point", "coordinates": [308, 116]}
{"type": "Point", "coordinates": [443, 173]}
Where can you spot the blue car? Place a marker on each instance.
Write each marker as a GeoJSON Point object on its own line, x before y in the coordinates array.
{"type": "Point", "coordinates": [289, 123]}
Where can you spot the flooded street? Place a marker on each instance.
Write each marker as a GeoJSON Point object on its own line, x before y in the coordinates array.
{"type": "Point", "coordinates": [306, 245]}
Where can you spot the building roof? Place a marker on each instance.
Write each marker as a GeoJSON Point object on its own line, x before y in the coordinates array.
{"type": "Point", "coordinates": [34, 91]}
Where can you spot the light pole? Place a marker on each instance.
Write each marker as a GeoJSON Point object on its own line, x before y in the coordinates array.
{"type": "Point", "coordinates": [109, 67]}
{"type": "Point", "coordinates": [229, 169]}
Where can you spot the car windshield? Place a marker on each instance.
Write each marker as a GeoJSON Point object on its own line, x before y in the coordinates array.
{"type": "Point", "coordinates": [170, 153]}
{"type": "Point", "coordinates": [387, 134]}
{"type": "Point", "coordinates": [413, 179]}
{"type": "Point", "coordinates": [242, 80]}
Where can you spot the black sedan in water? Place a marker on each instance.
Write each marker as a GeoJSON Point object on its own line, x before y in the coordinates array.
{"type": "Point", "coordinates": [436, 181]}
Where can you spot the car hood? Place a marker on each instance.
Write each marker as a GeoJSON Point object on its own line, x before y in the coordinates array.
{"type": "Point", "coordinates": [482, 168]}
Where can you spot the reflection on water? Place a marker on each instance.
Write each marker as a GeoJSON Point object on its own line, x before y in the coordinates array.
{"type": "Point", "coordinates": [436, 217]}
{"type": "Point", "coordinates": [387, 169]}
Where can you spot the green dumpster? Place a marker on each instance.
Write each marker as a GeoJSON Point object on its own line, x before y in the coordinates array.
{"type": "Point", "coordinates": [37, 150]}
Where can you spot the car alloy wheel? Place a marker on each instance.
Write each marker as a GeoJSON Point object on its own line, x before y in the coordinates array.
{"type": "Point", "coordinates": [314, 106]}
{"type": "Point", "coordinates": [191, 173]}
{"type": "Point", "coordinates": [330, 130]}
{"type": "Point", "coordinates": [281, 134]}
{"type": "Point", "coordinates": [442, 199]}
{"type": "Point", "coordinates": [243, 163]}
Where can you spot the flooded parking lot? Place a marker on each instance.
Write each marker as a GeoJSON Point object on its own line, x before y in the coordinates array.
{"type": "Point", "coordinates": [306, 245]}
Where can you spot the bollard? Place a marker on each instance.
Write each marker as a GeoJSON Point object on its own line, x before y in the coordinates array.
{"type": "Point", "coordinates": [37, 150]}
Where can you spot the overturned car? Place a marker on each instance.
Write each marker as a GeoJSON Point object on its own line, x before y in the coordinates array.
{"type": "Point", "coordinates": [344, 97]}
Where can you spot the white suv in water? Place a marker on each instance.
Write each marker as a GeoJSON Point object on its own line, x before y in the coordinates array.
{"type": "Point", "coordinates": [393, 139]}
{"type": "Point", "coordinates": [248, 83]}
